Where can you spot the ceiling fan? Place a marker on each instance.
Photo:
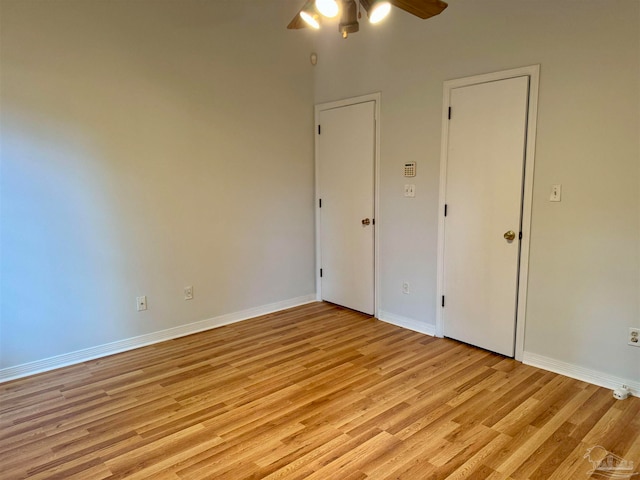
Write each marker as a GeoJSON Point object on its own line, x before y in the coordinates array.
{"type": "Point", "coordinates": [313, 11]}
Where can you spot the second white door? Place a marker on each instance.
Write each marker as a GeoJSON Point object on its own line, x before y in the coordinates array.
{"type": "Point", "coordinates": [484, 183]}
{"type": "Point", "coordinates": [346, 182]}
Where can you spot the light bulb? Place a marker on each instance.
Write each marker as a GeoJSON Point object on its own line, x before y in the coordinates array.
{"type": "Point", "coordinates": [328, 8]}
{"type": "Point", "coordinates": [311, 20]}
{"type": "Point", "coordinates": [379, 11]}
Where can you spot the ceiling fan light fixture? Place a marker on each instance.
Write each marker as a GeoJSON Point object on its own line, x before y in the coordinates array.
{"type": "Point", "coordinates": [379, 11]}
{"type": "Point", "coordinates": [328, 8]}
{"type": "Point", "coordinates": [349, 13]}
{"type": "Point", "coordinates": [349, 19]}
{"type": "Point", "coordinates": [310, 19]}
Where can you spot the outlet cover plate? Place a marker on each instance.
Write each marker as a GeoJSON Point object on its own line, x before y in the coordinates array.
{"type": "Point", "coordinates": [634, 337]}
{"type": "Point", "coordinates": [141, 303]}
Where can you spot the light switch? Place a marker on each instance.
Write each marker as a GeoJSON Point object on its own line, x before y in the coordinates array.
{"type": "Point", "coordinates": [409, 190]}
{"type": "Point", "coordinates": [556, 193]}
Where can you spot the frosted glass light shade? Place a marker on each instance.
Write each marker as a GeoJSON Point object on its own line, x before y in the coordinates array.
{"type": "Point", "coordinates": [328, 8]}
{"type": "Point", "coordinates": [379, 11]}
{"type": "Point", "coordinates": [311, 20]}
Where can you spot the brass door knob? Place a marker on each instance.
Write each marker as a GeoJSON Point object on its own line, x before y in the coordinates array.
{"type": "Point", "coordinates": [510, 235]}
{"type": "Point", "coordinates": [366, 221]}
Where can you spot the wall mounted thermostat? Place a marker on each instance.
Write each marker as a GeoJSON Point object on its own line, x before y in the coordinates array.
{"type": "Point", "coordinates": [410, 169]}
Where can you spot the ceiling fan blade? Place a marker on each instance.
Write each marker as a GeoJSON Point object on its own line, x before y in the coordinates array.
{"type": "Point", "coordinates": [420, 8]}
{"type": "Point", "coordinates": [297, 22]}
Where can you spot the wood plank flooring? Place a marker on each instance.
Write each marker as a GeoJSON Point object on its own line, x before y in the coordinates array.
{"type": "Point", "coordinates": [314, 392]}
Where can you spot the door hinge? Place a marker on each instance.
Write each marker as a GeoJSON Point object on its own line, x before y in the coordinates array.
{"type": "Point", "coordinates": [318, 129]}
{"type": "Point", "coordinates": [319, 203]}
{"type": "Point", "coordinates": [321, 273]}
{"type": "Point", "coordinates": [449, 113]}
{"type": "Point", "coordinates": [445, 209]}
{"type": "Point", "coordinates": [443, 300]}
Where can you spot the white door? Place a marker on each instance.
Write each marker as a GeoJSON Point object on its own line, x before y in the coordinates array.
{"type": "Point", "coordinates": [484, 184]}
{"type": "Point", "coordinates": [346, 159]}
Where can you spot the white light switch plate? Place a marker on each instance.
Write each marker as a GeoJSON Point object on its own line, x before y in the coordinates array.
{"type": "Point", "coordinates": [556, 193]}
{"type": "Point", "coordinates": [409, 190]}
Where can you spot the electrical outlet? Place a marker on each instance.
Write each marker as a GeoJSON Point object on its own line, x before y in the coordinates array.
{"type": "Point", "coordinates": [141, 303]}
{"type": "Point", "coordinates": [405, 288]}
{"type": "Point", "coordinates": [188, 293]}
{"type": "Point", "coordinates": [634, 337]}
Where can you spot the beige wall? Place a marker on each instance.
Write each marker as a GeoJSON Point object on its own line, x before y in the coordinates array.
{"type": "Point", "coordinates": [146, 146]}
{"type": "Point", "coordinates": [150, 145]}
{"type": "Point", "coordinates": [585, 251]}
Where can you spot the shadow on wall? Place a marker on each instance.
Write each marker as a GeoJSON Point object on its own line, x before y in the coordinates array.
{"type": "Point", "coordinates": [61, 250]}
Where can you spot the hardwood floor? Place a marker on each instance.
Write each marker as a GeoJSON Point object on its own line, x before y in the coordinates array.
{"type": "Point", "coordinates": [315, 392]}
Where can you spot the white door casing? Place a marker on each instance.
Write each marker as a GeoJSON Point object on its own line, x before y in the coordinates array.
{"type": "Point", "coordinates": [481, 275]}
{"type": "Point", "coordinates": [346, 163]}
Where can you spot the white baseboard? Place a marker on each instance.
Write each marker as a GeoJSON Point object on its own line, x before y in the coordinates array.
{"type": "Point", "coordinates": [79, 356]}
{"type": "Point", "coordinates": [580, 373]}
{"type": "Point", "coordinates": [406, 322]}
{"type": "Point", "coordinates": [568, 369]}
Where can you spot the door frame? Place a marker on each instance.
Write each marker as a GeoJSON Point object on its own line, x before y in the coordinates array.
{"type": "Point", "coordinates": [320, 107]}
{"type": "Point", "coordinates": [533, 72]}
